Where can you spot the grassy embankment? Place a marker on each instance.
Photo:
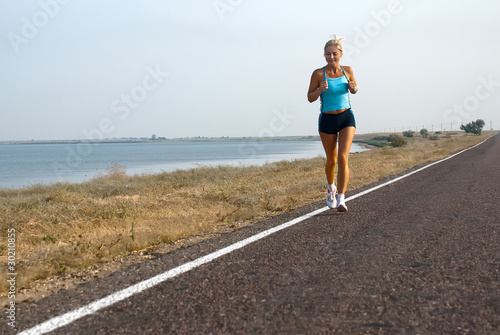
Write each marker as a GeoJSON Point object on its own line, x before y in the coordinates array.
{"type": "Point", "coordinates": [63, 228]}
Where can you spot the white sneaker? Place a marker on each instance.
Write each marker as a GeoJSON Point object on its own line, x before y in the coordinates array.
{"type": "Point", "coordinates": [330, 199]}
{"type": "Point", "coordinates": [341, 207]}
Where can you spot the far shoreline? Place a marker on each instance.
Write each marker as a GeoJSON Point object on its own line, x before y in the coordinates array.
{"type": "Point", "coordinates": [166, 140]}
{"type": "Point", "coordinates": [358, 138]}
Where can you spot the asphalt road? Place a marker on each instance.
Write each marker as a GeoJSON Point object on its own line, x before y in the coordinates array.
{"type": "Point", "coordinates": [419, 256]}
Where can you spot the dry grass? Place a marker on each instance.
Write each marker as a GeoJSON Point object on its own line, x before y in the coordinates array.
{"type": "Point", "coordinates": [62, 228]}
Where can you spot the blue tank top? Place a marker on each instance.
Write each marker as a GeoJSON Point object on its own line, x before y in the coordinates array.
{"type": "Point", "coordinates": [336, 97]}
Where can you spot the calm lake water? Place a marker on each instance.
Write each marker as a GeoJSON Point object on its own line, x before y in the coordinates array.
{"type": "Point", "coordinates": [28, 164]}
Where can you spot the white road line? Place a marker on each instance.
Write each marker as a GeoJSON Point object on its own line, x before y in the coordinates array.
{"type": "Point", "coordinates": [69, 317]}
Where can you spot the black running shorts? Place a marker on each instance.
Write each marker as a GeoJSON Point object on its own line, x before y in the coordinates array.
{"type": "Point", "coordinates": [333, 123]}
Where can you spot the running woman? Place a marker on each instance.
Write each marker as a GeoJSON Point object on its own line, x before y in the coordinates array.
{"type": "Point", "coordinates": [332, 85]}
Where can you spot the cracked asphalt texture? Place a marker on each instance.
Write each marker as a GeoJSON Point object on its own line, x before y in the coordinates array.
{"type": "Point", "coordinates": [420, 256]}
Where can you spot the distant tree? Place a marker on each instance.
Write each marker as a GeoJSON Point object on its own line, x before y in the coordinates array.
{"type": "Point", "coordinates": [408, 133]}
{"type": "Point", "coordinates": [480, 124]}
{"type": "Point", "coordinates": [474, 127]}
{"type": "Point", "coordinates": [424, 132]}
{"type": "Point", "coordinates": [397, 140]}
{"type": "Point", "coordinates": [153, 137]}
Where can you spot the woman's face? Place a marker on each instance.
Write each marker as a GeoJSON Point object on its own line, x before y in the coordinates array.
{"type": "Point", "coordinates": [332, 55]}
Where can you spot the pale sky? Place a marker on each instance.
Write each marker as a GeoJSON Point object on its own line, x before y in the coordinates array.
{"type": "Point", "coordinates": [123, 68]}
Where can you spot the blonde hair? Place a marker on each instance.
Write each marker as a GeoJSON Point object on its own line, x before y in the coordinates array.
{"type": "Point", "coordinates": [335, 42]}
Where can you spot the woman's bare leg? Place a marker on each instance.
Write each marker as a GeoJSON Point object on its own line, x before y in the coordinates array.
{"type": "Point", "coordinates": [330, 145]}
{"type": "Point", "coordinates": [346, 136]}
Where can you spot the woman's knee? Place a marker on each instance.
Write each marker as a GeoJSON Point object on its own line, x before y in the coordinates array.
{"type": "Point", "coordinates": [343, 160]}
{"type": "Point", "coordinates": [331, 160]}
